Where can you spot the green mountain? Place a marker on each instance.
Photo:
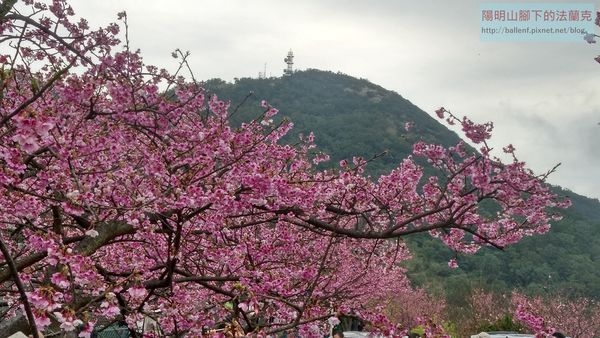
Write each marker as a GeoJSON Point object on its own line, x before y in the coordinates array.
{"type": "Point", "coordinates": [351, 117]}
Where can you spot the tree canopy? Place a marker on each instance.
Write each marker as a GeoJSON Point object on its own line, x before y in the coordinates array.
{"type": "Point", "coordinates": [120, 202]}
{"type": "Point", "coordinates": [351, 116]}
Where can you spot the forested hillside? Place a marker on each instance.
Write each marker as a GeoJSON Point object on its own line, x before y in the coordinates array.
{"type": "Point", "coordinates": [349, 116]}
{"type": "Point", "coordinates": [352, 116]}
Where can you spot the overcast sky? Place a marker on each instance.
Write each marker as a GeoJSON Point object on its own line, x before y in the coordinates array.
{"type": "Point", "coordinates": [543, 97]}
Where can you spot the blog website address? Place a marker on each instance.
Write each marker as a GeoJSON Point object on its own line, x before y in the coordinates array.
{"type": "Point", "coordinates": [531, 30]}
{"type": "Point", "coordinates": [536, 21]}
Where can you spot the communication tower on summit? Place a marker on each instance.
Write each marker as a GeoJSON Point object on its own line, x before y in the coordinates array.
{"type": "Point", "coordinates": [263, 75]}
{"type": "Point", "coordinates": [290, 62]}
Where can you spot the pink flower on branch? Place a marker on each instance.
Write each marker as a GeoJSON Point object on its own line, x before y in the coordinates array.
{"type": "Point", "coordinates": [137, 292]}
{"type": "Point", "coordinates": [578, 316]}
{"type": "Point", "coordinates": [60, 279]}
{"type": "Point", "coordinates": [67, 320]}
{"type": "Point", "coordinates": [440, 112]}
{"type": "Point", "coordinates": [453, 264]}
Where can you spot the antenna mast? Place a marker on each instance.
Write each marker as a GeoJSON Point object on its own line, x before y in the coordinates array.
{"type": "Point", "coordinates": [263, 75]}
{"type": "Point", "coordinates": [290, 62]}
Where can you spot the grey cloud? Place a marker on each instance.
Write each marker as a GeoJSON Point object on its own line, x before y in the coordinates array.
{"type": "Point", "coordinates": [542, 95]}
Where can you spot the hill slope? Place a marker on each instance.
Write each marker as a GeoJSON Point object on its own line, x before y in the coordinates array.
{"type": "Point", "coordinates": [349, 116]}
{"type": "Point", "coordinates": [352, 116]}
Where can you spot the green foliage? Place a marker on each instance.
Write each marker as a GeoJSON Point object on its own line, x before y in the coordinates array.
{"type": "Point", "coordinates": [451, 329]}
{"type": "Point", "coordinates": [349, 116]}
{"type": "Point", "coordinates": [506, 323]}
{"type": "Point", "coordinates": [352, 116]}
{"type": "Point", "coordinates": [418, 330]}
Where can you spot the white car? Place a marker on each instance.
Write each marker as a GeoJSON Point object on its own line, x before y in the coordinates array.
{"type": "Point", "coordinates": [502, 334]}
{"type": "Point", "coordinates": [360, 334]}
{"type": "Point", "coordinates": [355, 334]}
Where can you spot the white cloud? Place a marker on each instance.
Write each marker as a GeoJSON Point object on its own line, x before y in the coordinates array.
{"type": "Point", "coordinates": [542, 96]}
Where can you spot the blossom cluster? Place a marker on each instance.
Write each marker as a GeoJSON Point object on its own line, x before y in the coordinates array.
{"type": "Point", "coordinates": [124, 201]}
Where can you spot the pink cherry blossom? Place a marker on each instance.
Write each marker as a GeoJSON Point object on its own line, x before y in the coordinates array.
{"type": "Point", "coordinates": [28, 143]}
{"type": "Point", "coordinates": [453, 264]}
{"type": "Point", "coordinates": [121, 201]}
{"type": "Point", "coordinates": [67, 320]}
{"type": "Point", "coordinates": [137, 292]}
{"type": "Point", "coordinates": [86, 331]}
{"type": "Point", "coordinates": [60, 279]}
{"type": "Point", "coordinates": [109, 310]}
{"type": "Point", "coordinates": [440, 112]}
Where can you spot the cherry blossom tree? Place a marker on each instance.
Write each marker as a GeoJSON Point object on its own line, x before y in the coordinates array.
{"type": "Point", "coordinates": [126, 194]}
{"type": "Point", "coordinates": [577, 317]}
{"type": "Point", "coordinates": [486, 307]}
{"type": "Point", "coordinates": [541, 314]}
{"type": "Point", "coordinates": [413, 307]}
{"type": "Point", "coordinates": [487, 311]}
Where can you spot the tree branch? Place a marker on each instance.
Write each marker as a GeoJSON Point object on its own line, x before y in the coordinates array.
{"type": "Point", "coordinates": [36, 96]}
{"type": "Point", "coordinates": [20, 287]}
{"type": "Point", "coordinates": [86, 247]}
